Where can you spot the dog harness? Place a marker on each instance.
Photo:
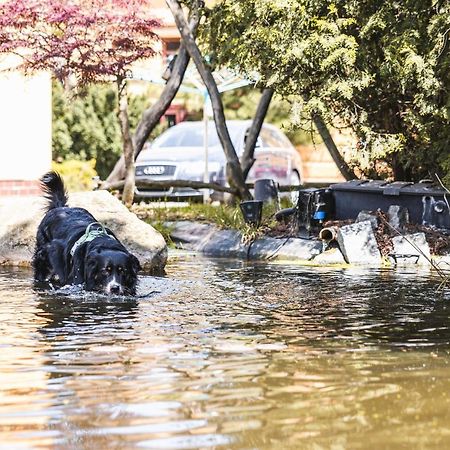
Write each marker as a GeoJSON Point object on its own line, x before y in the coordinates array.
{"type": "Point", "coordinates": [90, 234]}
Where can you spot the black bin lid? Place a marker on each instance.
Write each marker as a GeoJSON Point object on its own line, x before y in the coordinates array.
{"type": "Point", "coordinates": [386, 188]}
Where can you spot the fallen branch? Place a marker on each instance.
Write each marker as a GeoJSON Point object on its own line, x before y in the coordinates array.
{"type": "Point", "coordinates": [166, 184]}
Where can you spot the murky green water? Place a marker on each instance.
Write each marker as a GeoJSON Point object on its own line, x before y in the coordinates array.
{"type": "Point", "coordinates": [228, 355]}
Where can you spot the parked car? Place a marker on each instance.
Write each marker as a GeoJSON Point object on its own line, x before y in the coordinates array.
{"type": "Point", "coordinates": [179, 154]}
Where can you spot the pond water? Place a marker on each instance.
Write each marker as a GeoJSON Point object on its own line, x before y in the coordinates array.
{"type": "Point", "coordinates": [223, 354]}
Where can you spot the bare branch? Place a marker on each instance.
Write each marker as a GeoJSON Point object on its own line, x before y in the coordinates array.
{"type": "Point", "coordinates": [175, 183]}
{"type": "Point", "coordinates": [345, 170]}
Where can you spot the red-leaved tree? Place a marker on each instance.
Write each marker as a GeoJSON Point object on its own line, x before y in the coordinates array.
{"type": "Point", "coordinates": [93, 40]}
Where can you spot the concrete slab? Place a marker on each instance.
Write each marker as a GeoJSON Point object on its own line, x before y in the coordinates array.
{"type": "Point", "coordinates": [358, 244]}
{"type": "Point", "coordinates": [285, 249]}
{"type": "Point", "coordinates": [414, 245]}
{"type": "Point", "coordinates": [223, 243]}
{"type": "Point", "coordinates": [188, 235]}
{"type": "Point", "coordinates": [330, 257]}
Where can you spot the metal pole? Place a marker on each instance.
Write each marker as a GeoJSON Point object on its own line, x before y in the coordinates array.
{"type": "Point", "coordinates": [205, 146]}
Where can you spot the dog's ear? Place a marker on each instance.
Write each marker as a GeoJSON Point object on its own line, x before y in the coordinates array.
{"type": "Point", "coordinates": [77, 271]}
{"type": "Point", "coordinates": [91, 264]}
{"type": "Point", "coordinates": [90, 271]}
{"type": "Point", "coordinates": [135, 264]}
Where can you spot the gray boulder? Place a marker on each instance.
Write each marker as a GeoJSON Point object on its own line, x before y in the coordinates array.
{"type": "Point", "coordinates": [212, 241]}
{"type": "Point", "coordinates": [208, 239]}
{"type": "Point", "coordinates": [223, 243]}
{"type": "Point", "coordinates": [22, 215]}
{"type": "Point", "coordinates": [189, 235]}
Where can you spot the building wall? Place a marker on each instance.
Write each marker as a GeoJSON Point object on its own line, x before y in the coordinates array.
{"type": "Point", "coordinates": [25, 130]}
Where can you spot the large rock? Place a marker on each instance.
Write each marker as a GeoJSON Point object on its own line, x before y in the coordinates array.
{"type": "Point", "coordinates": [21, 216]}
{"type": "Point", "coordinates": [368, 215]}
{"type": "Point", "coordinates": [212, 241]}
{"type": "Point", "coordinates": [358, 244]}
{"type": "Point", "coordinates": [189, 235]}
{"type": "Point", "coordinates": [223, 243]}
{"type": "Point", "coordinates": [208, 239]}
{"type": "Point", "coordinates": [398, 217]}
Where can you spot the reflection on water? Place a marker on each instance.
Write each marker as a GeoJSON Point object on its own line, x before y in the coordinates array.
{"type": "Point", "coordinates": [228, 355]}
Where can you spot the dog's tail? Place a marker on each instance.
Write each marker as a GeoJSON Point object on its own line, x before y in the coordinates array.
{"type": "Point", "coordinates": [54, 190]}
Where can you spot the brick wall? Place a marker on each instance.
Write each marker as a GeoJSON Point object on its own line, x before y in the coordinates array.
{"type": "Point", "coordinates": [19, 187]}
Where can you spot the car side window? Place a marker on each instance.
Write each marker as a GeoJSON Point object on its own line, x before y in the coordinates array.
{"type": "Point", "coordinates": [259, 141]}
{"type": "Point", "coordinates": [285, 142]}
{"type": "Point", "coordinates": [270, 138]}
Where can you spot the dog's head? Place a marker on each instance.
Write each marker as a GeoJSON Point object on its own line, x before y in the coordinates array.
{"type": "Point", "coordinates": [112, 272]}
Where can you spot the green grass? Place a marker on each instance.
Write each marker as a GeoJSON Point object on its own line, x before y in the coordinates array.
{"type": "Point", "coordinates": [222, 216]}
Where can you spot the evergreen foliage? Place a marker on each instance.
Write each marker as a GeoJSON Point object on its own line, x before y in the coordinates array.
{"type": "Point", "coordinates": [380, 68]}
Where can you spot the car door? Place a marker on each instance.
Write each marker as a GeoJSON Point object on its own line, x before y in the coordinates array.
{"type": "Point", "coordinates": [272, 159]}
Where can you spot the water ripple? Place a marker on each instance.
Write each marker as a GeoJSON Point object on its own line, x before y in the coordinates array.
{"type": "Point", "coordinates": [228, 354]}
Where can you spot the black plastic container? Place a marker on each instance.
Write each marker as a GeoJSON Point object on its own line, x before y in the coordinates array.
{"type": "Point", "coordinates": [425, 201]}
{"type": "Point", "coordinates": [314, 207]}
{"type": "Point", "coordinates": [252, 211]}
{"type": "Point", "coordinates": [266, 190]}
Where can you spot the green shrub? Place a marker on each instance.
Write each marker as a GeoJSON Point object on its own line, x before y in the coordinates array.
{"type": "Point", "coordinates": [85, 124]}
{"type": "Point", "coordinates": [77, 175]}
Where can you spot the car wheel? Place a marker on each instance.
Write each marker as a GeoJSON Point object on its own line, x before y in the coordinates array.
{"type": "Point", "coordinates": [294, 180]}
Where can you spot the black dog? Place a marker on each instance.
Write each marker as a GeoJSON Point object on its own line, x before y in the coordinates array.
{"type": "Point", "coordinates": [73, 248]}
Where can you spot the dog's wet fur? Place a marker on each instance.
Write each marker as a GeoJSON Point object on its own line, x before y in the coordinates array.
{"type": "Point", "coordinates": [102, 265]}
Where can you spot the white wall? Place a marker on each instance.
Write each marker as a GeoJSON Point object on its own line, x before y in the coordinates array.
{"type": "Point", "coordinates": [25, 124]}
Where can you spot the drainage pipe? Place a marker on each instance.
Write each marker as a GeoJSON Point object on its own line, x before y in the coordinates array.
{"type": "Point", "coordinates": [328, 234]}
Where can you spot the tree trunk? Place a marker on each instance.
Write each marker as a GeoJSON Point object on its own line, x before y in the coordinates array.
{"type": "Point", "coordinates": [343, 167]}
{"type": "Point", "coordinates": [128, 152]}
{"type": "Point", "coordinates": [151, 116]}
{"type": "Point", "coordinates": [248, 158]}
{"type": "Point", "coordinates": [234, 171]}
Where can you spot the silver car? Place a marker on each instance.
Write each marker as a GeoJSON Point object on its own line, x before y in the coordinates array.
{"type": "Point", "coordinates": [179, 154]}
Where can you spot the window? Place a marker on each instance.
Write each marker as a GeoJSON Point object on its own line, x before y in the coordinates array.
{"type": "Point", "coordinates": [170, 48]}
{"type": "Point", "coordinates": [191, 136]}
{"type": "Point", "coordinates": [272, 138]}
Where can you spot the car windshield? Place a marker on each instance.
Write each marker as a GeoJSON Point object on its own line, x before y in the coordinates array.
{"type": "Point", "coordinates": [191, 136]}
